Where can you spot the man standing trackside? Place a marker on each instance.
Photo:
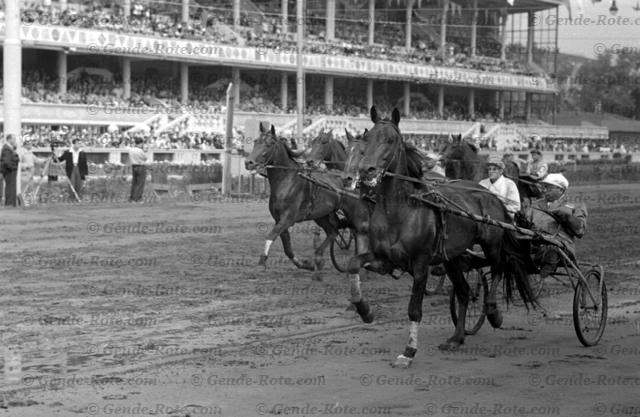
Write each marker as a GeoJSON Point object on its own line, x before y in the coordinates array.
{"type": "Point", "coordinates": [9, 161]}
{"type": "Point", "coordinates": [137, 158]}
{"type": "Point", "coordinates": [75, 165]}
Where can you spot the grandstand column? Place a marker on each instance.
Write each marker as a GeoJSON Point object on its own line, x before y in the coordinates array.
{"type": "Point", "coordinates": [285, 16]}
{"type": "Point", "coordinates": [407, 98]}
{"type": "Point", "coordinates": [474, 28]}
{"type": "Point", "coordinates": [235, 77]}
{"type": "Point", "coordinates": [441, 101]}
{"type": "Point", "coordinates": [443, 29]}
{"type": "Point", "coordinates": [185, 11]}
{"type": "Point", "coordinates": [330, 28]}
{"type": "Point", "coordinates": [126, 9]}
{"type": "Point", "coordinates": [407, 43]}
{"type": "Point", "coordinates": [184, 83]}
{"type": "Point", "coordinates": [531, 25]}
{"type": "Point", "coordinates": [12, 70]}
{"type": "Point", "coordinates": [62, 72]}
{"type": "Point", "coordinates": [472, 103]}
{"type": "Point", "coordinates": [126, 78]}
{"type": "Point", "coordinates": [527, 106]}
{"type": "Point", "coordinates": [328, 93]}
{"type": "Point", "coordinates": [236, 14]}
{"type": "Point", "coordinates": [299, 67]}
{"type": "Point", "coordinates": [369, 93]}
{"type": "Point", "coordinates": [372, 21]}
{"type": "Point", "coordinates": [503, 41]}
{"type": "Point", "coordinates": [502, 95]}
{"type": "Point", "coordinates": [284, 90]}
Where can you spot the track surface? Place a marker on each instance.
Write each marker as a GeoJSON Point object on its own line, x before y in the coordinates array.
{"type": "Point", "coordinates": [99, 318]}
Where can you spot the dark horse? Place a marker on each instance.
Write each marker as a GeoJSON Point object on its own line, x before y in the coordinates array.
{"type": "Point", "coordinates": [462, 161]}
{"type": "Point", "coordinates": [292, 198]}
{"type": "Point", "coordinates": [411, 235]}
{"type": "Point", "coordinates": [327, 150]}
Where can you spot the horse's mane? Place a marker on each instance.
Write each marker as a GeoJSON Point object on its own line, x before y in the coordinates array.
{"type": "Point", "coordinates": [284, 141]}
{"type": "Point", "coordinates": [415, 160]}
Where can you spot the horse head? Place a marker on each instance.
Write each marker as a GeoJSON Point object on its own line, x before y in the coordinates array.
{"type": "Point", "coordinates": [461, 159]}
{"type": "Point", "coordinates": [266, 149]}
{"type": "Point", "coordinates": [319, 149]}
{"type": "Point", "coordinates": [355, 150]}
{"type": "Point", "coordinates": [384, 151]}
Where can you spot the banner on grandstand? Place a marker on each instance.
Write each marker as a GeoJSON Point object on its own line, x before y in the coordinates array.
{"type": "Point", "coordinates": [108, 43]}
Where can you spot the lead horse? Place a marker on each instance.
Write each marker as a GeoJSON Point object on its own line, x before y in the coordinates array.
{"type": "Point", "coordinates": [412, 235]}
{"type": "Point", "coordinates": [292, 199]}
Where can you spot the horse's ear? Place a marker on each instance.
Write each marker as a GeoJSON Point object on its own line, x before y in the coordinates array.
{"type": "Point", "coordinates": [365, 130]}
{"type": "Point", "coordinates": [273, 130]}
{"type": "Point", "coordinates": [374, 114]}
{"type": "Point", "coordinates": [349, 136]}
{"type": "Point", "coordinates": [395, 116]}
{"type": "Point", "coordinates": [456, 139]}
{"type": "Point", "coordinates": [261, 128]}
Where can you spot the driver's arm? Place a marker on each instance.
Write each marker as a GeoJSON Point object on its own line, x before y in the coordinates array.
{"type": "Point", "coordinates": [573, 218]}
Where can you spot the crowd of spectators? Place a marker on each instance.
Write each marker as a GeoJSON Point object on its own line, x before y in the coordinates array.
{"type": "Point", "coordinates": [45, 136]}
{"type": "Point", "coordinates": [162, 92]}
{"type": "Point", "coordinates": [264, 31]}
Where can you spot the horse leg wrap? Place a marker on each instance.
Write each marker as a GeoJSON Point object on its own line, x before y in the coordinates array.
{"type": "Point", "coordinates": [363, 310]}
{"type": "Point", "coordinates": [409, 352]}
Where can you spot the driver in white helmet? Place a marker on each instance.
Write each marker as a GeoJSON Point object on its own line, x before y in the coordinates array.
{"type": "Point", "coordinates": [554, 215]}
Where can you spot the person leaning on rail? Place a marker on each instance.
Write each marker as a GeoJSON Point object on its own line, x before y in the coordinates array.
{"type": "Point", "coordinates": [554, 215]}
{"type": "Point", "coordinates": [502, 186]}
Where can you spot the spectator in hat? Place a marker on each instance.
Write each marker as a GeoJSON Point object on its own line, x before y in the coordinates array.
{"type": "Point", "coordinates": [137, 158]}
{"type": "Point", "coordinates": [76, 166]}
{"type": "Point", "coordinates": [502, 186]}
{"type": "Point", "coordinates": [537, 168]}
{"type": "Point", "coordinates": [9, 161]}
{"type": "Point", "coordinates": [554, 215]}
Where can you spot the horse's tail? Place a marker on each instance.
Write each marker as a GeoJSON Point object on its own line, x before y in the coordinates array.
{"type": "Point", "coordinates": [517, 265]}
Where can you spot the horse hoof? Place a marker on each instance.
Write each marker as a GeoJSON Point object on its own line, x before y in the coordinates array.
{"type": "Point", "coordinates": [449, 346]}
{"type": "Point", "coordinates": [262, 261]}
{"type": "Point", "coordinates": [368, 318]}
{"type": "Point", "coordinates": [320, 264]}
{"type": "Point", "coordinates": [307, 264]}
{"type": "Point", "coordinates": [494, 316]}
{"type": "Point", "coordinates": [316, 276]}
{"type": "Point", "coordinates": [402, 362]}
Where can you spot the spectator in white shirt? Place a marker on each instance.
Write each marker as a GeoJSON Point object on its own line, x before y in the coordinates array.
{"type": "Point", "coordinates": [137, 158]}
{"type": "Point", "coordinates": [27, 164]}
{"type": "Point", "coordinates": [501, 186]}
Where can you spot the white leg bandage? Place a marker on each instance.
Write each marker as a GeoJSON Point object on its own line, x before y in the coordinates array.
{"type": "Point", "coordinates": [267, 245]}
{"type": "Point", "coordinates": [356, 294]}
{"type": "Point", "coordinates": [413, 334]}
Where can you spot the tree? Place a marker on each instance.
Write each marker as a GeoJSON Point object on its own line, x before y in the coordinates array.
{"type": "Point", "coordinates": [612, 79]}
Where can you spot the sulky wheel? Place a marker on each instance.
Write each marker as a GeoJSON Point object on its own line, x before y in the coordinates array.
{"type": "Point", "coordinates": [589, 317]}
{"type": "Point", "coordinates": [476, 309]}
{"type": "Point", "coordinates": [342, 249]}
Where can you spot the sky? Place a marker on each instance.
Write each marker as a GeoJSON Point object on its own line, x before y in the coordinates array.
{"type": "Point", "coordinates": [596, 29]}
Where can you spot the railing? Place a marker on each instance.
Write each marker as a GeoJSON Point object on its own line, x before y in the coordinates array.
{"type": "Point", "coordinates": [561, 132]}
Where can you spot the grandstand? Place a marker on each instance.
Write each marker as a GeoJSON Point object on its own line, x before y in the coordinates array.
{"type": "Point", "coordinates": [159, 69]}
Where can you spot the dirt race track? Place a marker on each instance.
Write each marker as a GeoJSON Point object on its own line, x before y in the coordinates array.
{"type": "Point", "coordinates": [98, 318]}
